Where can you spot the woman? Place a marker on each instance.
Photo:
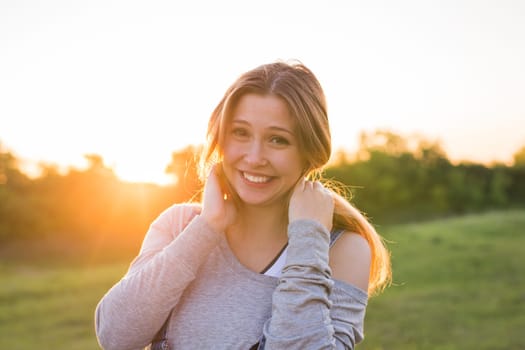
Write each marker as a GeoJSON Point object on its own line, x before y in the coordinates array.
{"type": "Point", "coordinates": [270, 259]}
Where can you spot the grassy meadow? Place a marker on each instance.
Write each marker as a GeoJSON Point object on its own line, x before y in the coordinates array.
{"type": "Point", "coordinates": [458, 284]}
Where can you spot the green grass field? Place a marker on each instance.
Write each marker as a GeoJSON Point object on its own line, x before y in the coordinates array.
{"type": "Point", "coordinates": [458, 284]}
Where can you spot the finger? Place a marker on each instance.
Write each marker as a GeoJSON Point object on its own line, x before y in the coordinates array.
{"type": "Point", "coordinates": [321, 186]}
{"type": "Point", "coordinates": [309, 184]}
{"type": "Point", "coordinates": [212, 172]}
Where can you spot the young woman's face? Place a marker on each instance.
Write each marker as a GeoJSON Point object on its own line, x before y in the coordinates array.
{"type": "Point", "coordinates": [262, 160]}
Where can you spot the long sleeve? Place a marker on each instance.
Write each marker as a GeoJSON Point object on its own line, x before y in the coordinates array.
{"type": "Point", "coordinates": [132, 312]}
{"type": "Point", "coordinates": [307, 312]}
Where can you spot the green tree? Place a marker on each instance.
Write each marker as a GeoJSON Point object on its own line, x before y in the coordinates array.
{"type": "Point", "coordinates": [184, 166]}
{"type": "Point", "coordinates": [498, 188]}
{"type": "Point", "coordinates": [19, 210]}
{"type": "Point", "coordinates": [381, 141]}
{"type": "Point", "coordinates": [519, 157]}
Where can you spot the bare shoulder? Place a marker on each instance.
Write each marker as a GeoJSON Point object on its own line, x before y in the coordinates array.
{"type": "Point", "coordinates": [350, 259]}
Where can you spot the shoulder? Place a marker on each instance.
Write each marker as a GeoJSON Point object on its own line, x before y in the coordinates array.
{"type": "Point", "coordinates": [184, 209]}
{"type": "Point", "coordinates": [167, 226]}
{"type": "Point", "coordinates": [350, 259]}
{"type": "Point", "coordinates": [176, 217]}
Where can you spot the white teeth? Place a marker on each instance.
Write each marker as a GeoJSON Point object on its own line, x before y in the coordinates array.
{"type": "Point", "coordinates": [256, 179]}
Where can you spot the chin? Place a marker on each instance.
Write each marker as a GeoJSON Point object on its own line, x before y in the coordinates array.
{"type": "Point", "coordinates": [260, 201]}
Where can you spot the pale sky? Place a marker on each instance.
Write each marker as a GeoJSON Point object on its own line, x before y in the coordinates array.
{"type": "Point", "coordinates": [135, 80]}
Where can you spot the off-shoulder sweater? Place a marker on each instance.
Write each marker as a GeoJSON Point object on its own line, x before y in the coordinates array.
{"type": "Point", "coordinates": [187, 274]}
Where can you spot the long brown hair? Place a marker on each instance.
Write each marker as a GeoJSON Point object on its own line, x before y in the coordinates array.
{"type": "Point", "coordinates": [298, 87]}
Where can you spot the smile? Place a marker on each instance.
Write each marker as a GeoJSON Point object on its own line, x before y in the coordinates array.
{"type": "Point", "coordinates": [256, 178]}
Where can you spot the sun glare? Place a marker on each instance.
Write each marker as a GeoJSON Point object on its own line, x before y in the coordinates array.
{"type": "Point", "coordinates": [149, 172]}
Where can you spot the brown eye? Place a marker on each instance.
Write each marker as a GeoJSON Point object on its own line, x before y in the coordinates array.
{"type": "Point", "coordinates": [279, 140]}
{"type": "Point", "coordinates": [239, 132]}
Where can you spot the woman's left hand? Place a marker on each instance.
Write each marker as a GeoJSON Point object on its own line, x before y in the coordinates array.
{"type": "Point", "coordinates": [311, 200]}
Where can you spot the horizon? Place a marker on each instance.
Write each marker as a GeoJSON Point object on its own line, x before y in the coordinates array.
{"type": "Point", "coordinates": [135, 83]}
{"type": "Point", "coordinates": [34, 168]}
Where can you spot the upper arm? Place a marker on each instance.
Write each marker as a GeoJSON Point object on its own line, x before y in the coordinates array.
{"type": "Point", "coordinates": [163, 230]}
{"type": "Point", "coordinates": [350, 259]}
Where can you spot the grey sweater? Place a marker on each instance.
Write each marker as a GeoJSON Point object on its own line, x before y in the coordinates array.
{"type": "Point", "coordinates": [187, 272]}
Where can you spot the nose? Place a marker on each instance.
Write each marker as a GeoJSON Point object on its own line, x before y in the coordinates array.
{"type": "Point", "coordinates": [255, 154]}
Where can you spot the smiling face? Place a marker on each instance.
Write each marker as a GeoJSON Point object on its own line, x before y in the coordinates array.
{"type": "Point", "coordinates": [261, 156]}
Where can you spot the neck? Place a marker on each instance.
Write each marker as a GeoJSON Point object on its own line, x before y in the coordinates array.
{"type": "Point", "coordinates": [262, 224]}
{"type": "Point", "coordinates": [258, 235]}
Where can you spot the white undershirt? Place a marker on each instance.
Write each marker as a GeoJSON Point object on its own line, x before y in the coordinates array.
{"type": "Point", "coordinates": [276, 269]}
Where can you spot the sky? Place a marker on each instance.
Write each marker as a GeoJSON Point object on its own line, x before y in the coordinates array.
{"type": "Point", "coordinates": [134, 81]}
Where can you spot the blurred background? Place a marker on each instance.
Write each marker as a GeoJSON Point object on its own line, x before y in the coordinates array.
{"type": "Point", "coordinates": [104, 107]}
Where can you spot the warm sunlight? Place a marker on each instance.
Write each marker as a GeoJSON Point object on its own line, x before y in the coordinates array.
{"type": "Point", "coordinates": [143, 170]}
{"type": "Point", "coordinates": [135, 87]}
{"type": "Point", "coordinates": [425, 100]}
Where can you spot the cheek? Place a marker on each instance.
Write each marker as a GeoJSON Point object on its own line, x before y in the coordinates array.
{"type": "Point", "coordinates": [291, 165]}
{"type": "Point", "coordinates": [230, 152]}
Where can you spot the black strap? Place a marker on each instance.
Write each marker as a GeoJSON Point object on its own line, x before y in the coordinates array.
{"type": "Point", "coordinates": [274, 259]}
{"type": "Point", "coordinates": [334, 235]}
{"type": "Point", "coordinates": [160, 340]}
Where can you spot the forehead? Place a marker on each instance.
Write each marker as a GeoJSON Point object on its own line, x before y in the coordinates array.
{"type": "Point", "coordinates": [263, 109]}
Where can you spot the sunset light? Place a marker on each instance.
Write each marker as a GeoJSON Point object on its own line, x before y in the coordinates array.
{"type": "Point", "coordinates": [134, 83]}
{"type": "Point", "coordinates": [113, 235]}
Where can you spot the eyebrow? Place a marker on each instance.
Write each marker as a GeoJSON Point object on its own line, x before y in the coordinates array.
{"type": "Point", "coordinates": [275, 128]}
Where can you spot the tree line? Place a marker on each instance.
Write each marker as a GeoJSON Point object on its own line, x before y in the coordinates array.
{"type": "Point", "coordinates": [391, 178]}
{"type": "Point", "coordinates": [395, 179]}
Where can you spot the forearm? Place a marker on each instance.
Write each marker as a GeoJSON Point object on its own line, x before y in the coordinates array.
{"type": "Point", "coordinates": [131, 313]}
{"type": "Point", "coordinates": [301, 304]}
{"type": "Point", "coordinates": [310, 310]}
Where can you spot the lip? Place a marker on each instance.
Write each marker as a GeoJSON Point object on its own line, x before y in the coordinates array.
{"type": "Point", "coordinates": [246, 175]}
